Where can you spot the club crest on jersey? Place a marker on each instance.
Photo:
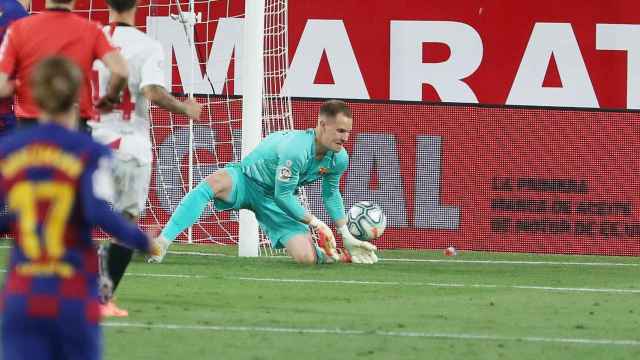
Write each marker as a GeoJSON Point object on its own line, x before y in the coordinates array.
{"type": "Point", "coordinates": [323, 171]}
{"type": "Point", "coordinates": [284, 173]}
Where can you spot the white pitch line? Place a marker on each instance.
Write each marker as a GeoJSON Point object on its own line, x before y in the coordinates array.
{"type": "Point", "coordinates": [486, 286]}
{"type": "Point", "coordinates": [186, 276]}
{"type": "Point", "coordinates": [197, 253]}
{"type": "Point", "coordinates": [516, 262]}
{"type": "Point", "coordinates": [167, 275]}
{"type": "Point", "coordinates": [396, 283]}
{"type": "Point", "coordinates": [508, 262]}
{"type": "Point", "coordinates": [338, 331]}
{"type": "Point", "coordinates": [496, 262]}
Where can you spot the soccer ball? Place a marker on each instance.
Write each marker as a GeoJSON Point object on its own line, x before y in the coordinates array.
{"type": "Point", "coordinates": [366, 221]}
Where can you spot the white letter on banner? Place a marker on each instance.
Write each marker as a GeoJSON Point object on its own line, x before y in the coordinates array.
{"type": "Point", "coordinates": [408, 72]}
{"type": "Point", "coordinates": [557, 39]}
{"type": "Point", "coordinates": [428, 212]}
{"type": "Point", "coordinates": [228, 37]}
{"type": "Point", "coordinates": [624, 37]}
{"type": "Point", "coordinates": [328, 36]}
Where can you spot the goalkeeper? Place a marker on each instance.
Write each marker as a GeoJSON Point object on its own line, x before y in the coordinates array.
{"type": "Point", "coordinates": [266, 182]}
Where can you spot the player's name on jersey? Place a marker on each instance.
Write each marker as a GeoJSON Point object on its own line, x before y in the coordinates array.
{"type": "Point", "coordinates": [41, 155]}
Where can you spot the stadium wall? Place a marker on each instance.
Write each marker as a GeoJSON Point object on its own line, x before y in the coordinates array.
{"type": "Point", "coordinates": [485, 125]}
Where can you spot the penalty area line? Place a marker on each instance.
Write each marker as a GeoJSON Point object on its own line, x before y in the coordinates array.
{"type": "Point", "coordinates": [347, 332]}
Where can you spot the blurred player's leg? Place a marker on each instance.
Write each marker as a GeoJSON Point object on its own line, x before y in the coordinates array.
{"type": "Point", "coordinates": [118, 259]}
{"type": "Point", "coordinates": [131, 178]}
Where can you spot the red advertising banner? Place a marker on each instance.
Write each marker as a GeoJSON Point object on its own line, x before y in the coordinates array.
{"type": "Point", "coordinates": [473, 177]}
{"type": "Point", "coordinates": [503, 179]}
{"type": "Point", "coordinates": [544, 44]}
{"type": "Point", "coordinates": [553, 177]}
{"type": "Point", "coordinates": [583, 53]}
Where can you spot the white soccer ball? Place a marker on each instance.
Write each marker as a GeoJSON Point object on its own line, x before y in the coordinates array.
{"type": "Point", "coordinates": [366, 221]}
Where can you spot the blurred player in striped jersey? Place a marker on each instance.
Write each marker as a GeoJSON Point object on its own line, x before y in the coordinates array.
{"type": "Point", "coordinates": [55, 181]}
{"type": "Point", "coordinates": [266, 182]}
{"type": "Point", "coordinates": [57, 31]}
{"type": "Point", "coordinates": [10, 11]}
{"type": "Point", "coordinates": [126, 128]}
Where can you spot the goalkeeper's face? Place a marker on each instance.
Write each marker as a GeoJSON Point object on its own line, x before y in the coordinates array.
{"type": "Point", "coordinates": [335, 131]}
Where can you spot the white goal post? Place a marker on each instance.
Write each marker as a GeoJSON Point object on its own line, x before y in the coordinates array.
{"type": "Point", "coordinates": [252, 84]}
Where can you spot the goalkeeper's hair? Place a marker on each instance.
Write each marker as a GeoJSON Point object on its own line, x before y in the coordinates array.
{"type": "Point", "coordinates": [55, 83]}
{"type": "Point", "coordinates": [331, 108]}
{"type": "Point", "coordinates": [121, 6]}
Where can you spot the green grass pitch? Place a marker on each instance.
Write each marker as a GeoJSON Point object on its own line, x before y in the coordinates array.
{"type": "Point", "coordinates": [411, 305]}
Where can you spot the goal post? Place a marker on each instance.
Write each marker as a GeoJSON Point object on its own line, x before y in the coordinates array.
{"type": "Point", "coordinates": [252, 95]}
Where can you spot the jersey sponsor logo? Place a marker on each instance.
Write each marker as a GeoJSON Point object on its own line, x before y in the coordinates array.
{"type": "Point", "coordinates": [284, 173]}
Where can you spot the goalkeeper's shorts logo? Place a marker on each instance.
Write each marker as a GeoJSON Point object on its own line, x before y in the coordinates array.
{"type": "Point", "coordinates": [284, 173]}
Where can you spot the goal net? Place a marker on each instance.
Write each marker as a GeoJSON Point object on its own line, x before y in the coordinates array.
{"type": "Point", "coordinates": [203, 41]}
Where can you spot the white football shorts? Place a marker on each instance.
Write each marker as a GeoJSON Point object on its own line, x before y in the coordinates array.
{"type": "Point", "coordinates": [131, 178]}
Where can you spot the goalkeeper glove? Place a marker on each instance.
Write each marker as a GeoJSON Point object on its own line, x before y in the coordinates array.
{"type": "Point", "coordinates": [362, 252]}
{"type": "Point", "coordinates": [326, 240]}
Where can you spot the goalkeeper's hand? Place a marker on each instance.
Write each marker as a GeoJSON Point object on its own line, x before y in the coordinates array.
{"type": "Point", "coordinates": [362, 252]}
{"type": "Point", "coordinates": [326, 240]}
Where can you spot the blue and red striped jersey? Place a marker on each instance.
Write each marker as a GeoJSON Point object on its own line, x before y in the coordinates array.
{"type": "Point", "coordinates": [52, 180]}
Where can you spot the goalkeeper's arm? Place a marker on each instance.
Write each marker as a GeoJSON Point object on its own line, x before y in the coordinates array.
{"type": "Point", "coordinates": [360, 251]}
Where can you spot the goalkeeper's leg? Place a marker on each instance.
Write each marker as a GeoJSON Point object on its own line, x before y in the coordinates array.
{"type": "Point", "coordinates": [192, 206]}
{"type": "Point", "coordinates": [304, 251]}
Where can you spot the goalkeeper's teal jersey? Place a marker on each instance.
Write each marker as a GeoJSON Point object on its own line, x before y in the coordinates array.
{"type": "Point", "coordinates": [285, 160]}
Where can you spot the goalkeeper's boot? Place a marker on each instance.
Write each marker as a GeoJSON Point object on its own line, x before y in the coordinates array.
{"type": "Point", "coordinates": [110, 309]}
{"type": "Point", "coordinates": [163, 247]}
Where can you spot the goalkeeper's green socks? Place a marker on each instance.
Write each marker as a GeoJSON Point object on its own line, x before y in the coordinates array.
{"type": "Point", "coordinates": [189, 210]}
{"type": "Point", "coordinates": [320, 255]}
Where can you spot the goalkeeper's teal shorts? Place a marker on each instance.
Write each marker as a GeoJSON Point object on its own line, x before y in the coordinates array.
{"type": "Point", "coordinates": [246, 194]}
